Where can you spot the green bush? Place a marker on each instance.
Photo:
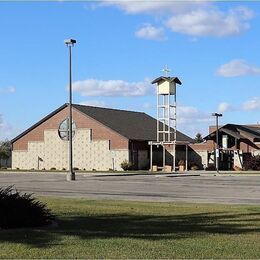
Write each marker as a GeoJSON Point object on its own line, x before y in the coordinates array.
{"type": "Point", "coordinates": [194, 167]}
{"type": "Point", "coordinates": [22, 210]}
{"type": "Point", "coordinates": [126, 166]}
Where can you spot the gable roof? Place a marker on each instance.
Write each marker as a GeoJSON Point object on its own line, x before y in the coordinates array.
{"type": "Point", "coordinates": [130, 124]}
{"type": "Point", "coordinates": [39, 122]}
{"type": "Point", "coordinates": [237, 131]}
{"type": "Point", "coordinates": [169, 79]}
{"type": "Point", "coordinates": [254, 132]}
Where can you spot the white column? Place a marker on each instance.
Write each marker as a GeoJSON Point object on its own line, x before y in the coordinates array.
{"type": "Point", "coordinates": [187, 154]}
{"type": "Point", "coordinates": [151, 157]}
{"type": "Point", "coordinates": [163, 157]}
{"type": "Point", "coordinates": [158, 108]}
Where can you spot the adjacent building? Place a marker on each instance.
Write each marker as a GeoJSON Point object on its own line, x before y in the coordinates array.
{"type": "Point", "coordinates": [237, 144]}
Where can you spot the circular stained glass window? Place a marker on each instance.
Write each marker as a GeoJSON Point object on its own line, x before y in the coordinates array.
{"type": "Point", "coordinates": [64, 129]}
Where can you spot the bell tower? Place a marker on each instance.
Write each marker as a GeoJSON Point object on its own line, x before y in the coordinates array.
{"type": "Point", "coordinates": [166, 113]}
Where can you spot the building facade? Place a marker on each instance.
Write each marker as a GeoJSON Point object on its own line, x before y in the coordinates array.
{"type": "Point", "coordinates": [237, 144]}
{"type": "Point", "coordinates": [102, 139]}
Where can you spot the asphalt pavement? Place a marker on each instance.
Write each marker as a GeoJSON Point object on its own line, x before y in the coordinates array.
{"type": "Point", "coordinates": [140, 187]}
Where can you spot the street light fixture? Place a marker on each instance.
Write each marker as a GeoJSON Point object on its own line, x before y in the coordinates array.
{"type": "Point", "coordinates": [71, 174]}
{"type": "Point", "coordinates": [217, 115]}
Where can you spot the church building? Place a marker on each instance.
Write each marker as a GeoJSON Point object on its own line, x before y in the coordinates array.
{"type": "Point", "coordinates": [102, 139]}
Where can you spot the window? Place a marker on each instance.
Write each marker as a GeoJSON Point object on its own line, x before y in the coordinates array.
{"type": "Point", "coordinates": [64, 129]}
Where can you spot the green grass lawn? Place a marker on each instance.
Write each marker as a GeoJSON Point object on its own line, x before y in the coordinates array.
{"type": "Point", "coordinates": [121, 229]}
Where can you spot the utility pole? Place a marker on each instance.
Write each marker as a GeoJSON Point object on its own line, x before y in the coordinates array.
{"type": "Point", "coordinates": [217, 141]}
{"type": "Point", "coordinates": [71, 174]}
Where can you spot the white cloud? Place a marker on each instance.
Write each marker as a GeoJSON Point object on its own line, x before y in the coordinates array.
{"type": "Point", "coordinates": [236, 68]}
{"type": "Point", "coordinates": [224, 107]}
{"type": "Point", "coordinates": [211, 22]}
{"type": "Point", "coordinates": [94, 103]}
{"type": "Point", "coordinates": [94, 87]}
{"type": "Point", "coordinates": [153, 7]}
{"type": "Point", "coordinates": [253, 104]}
{"type": "Point", "coordinates": [150, 32]}
{"type": "Point", "coordinates": [195, 18]}
{"type": "Point", "coordinates": [147, 105]}
{"type": "Point", "coordinates": [1, 121]}
{"type": "Point", "coordinates": [6, 130]}
{"type": "Point", "coordinates": [192, 121]}
{"type": "Point", "coordinates": [7, 90]}
{"type": "Point", "coordinates": [188, 114]}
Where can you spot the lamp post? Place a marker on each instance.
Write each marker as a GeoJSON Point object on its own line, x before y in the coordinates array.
{"type": "Point", "coordinates": [70, 175]}
{"type": "Point", "coordinates": [217, 115]}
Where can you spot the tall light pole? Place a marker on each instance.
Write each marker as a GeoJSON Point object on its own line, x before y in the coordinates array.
{"type": "Point", "coordinates": [217, 115]}
{"type": "Point", "coordinates": [71, 174]}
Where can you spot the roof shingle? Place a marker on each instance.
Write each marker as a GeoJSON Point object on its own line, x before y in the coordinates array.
{"type": "Point", "coordinates": [132, 125]}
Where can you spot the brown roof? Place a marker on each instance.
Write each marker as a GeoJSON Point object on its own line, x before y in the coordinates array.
{"type": "Point", "coordinates": [237, 131]}
{"type": "Point", "coordinates": [169, 79]}
{"type": "Point", "coordinates": [132, 125]}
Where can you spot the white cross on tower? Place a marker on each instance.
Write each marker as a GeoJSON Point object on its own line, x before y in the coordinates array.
{"type": "Point", "coordinates": [166, 70]}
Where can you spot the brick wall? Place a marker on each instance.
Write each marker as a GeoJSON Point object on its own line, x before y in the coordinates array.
{"type": "Point", "coordinates": [99, 131]}
{"type": "Point", "coordinates": [53, 153]}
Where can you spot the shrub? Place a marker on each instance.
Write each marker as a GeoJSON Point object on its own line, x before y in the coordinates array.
{"type": "Point", "coordinates": [194, 167]}
{"type": "Point", "coordinates": [22, 210]}
{"type": "Point", "coordinates": [126, 166]}
{"type": "Point", "coordinates": [253, 163]}
{"type": "Point", "coordinates": [53, 169]}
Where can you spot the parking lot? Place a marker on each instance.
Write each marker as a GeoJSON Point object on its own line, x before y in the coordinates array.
{"type": "Point", "coordinates": [146, 187]}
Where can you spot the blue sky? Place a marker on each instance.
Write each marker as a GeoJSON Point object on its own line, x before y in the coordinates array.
{"type": "Point", "coordinates": [213, 47]}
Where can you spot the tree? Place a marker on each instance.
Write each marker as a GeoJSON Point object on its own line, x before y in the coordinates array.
{"type": "Point", "coordinates": [5, 150]}
{"type": "Point", "coordinates": [198, 138]}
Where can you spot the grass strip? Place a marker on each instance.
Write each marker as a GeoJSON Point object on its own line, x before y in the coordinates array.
{"type": "Point", "coordinates": [125, 229]}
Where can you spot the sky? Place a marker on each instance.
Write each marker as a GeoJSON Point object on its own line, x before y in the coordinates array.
{"type": "Point", "coordinates": [212, 47]}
